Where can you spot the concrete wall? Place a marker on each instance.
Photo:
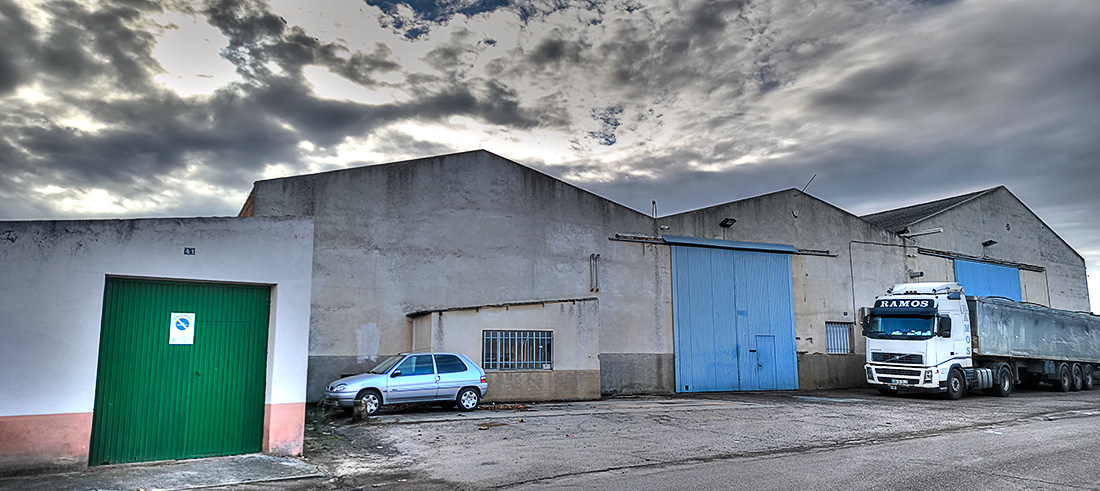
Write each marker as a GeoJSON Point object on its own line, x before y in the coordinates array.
{"type": "Point", "coordinates": [576, 346]}
{"type": "Point", "coordinates": [1021, 237]}
{"type": "Point", "coordinates": [855, 261]}
{"type": "Point", "coordinates": [476, 229]}
{"type": "Point", "coordinates": [460, 230]}
{"type": "Point", "coordinates": [52, 276]}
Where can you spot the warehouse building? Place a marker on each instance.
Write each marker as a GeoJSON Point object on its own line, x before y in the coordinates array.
{"type": "Point", "coordinates": [176, 338]}
{"type": "Point", "coordinates": [562, 294]}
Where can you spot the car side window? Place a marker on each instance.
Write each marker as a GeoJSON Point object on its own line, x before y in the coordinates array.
{"type": "Point", "coordinates": [449, 364]}
{"type": "Point", "coordinates": [417, 365]}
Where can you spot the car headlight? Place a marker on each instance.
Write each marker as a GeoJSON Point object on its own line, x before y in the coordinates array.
{"type": "Point", "coordinates": [338, 388]}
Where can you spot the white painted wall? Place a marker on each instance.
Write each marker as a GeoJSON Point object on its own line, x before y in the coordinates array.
{"type": "Point", "coordinates": [52, 275]}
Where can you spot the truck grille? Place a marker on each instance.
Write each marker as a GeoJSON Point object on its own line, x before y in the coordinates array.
{"type": "Point", "coordinates": [898, 358]}
{"type": "Point", "coordinates": [897, 371]}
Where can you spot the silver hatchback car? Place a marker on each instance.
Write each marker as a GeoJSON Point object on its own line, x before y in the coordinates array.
{"type": "Point", "coordinates": [446, 378]}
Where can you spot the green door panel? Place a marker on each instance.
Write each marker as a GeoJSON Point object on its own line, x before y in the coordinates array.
{"type": "Point", "coordinates": [156, 401]}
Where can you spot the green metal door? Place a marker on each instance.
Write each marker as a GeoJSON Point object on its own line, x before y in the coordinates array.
{"type": "Point", "coordinates": [157, 401]}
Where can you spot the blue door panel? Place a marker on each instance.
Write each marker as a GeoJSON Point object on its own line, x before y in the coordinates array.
{"type": "Point", "coordinates": [766, 371]}
{"type": "Point", "coordinates": [988, 280]}
{"type": "Point", "coordinates": [705, 348]}
{"type": "Point", "coordinates": [765, 305]}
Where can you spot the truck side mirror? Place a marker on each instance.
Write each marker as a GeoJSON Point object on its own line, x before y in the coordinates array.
{"type": "Point", "coordinates": [945, 327]}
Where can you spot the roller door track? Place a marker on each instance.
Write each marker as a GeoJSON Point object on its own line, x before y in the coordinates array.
{"type": "Point", "coordinates": [158, 401]}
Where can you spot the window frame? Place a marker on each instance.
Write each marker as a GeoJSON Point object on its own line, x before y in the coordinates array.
{"type": "Point", "coordinates": [522, 348]}
{"type": "Point", "coordinates": [831, 336]}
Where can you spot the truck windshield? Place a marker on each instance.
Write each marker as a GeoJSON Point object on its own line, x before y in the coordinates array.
{"type": "Point", "coordinates": [889, 327]}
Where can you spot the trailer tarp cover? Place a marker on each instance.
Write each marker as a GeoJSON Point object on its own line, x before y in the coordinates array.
{"type": "Point", "coordinates": [1002, 327]}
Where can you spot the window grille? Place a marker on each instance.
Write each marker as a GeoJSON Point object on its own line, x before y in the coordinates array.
{"type": "Point", "coordinates": [517, 350]}
{"type": "Point", "coordinates": [838, 338]}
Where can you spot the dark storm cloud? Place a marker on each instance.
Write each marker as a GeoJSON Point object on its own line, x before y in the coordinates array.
{"type": "Point", "coordinates": [15, 49]}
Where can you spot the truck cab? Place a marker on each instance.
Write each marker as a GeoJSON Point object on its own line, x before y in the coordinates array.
{"type": "Point", "coordinates": [919, 340]}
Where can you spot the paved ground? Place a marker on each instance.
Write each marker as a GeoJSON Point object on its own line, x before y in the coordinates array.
{"type": "Point", "coordinates": [591, 444]}
{"type": "Point", "coordinates": [854, 439]}
{"type": "Point", "coordinates": [183, 474]}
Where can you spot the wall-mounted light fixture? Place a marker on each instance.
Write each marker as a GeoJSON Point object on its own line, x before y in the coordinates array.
{"type": "Point", "coordinates": [727, 222]}
{"type": "Point", "coordinates": [916, 274]}
{"type": "Point", "coordinates": [988, 243]}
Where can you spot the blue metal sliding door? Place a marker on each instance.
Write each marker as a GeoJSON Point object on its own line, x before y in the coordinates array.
{"type": "Point", "coordinates": [988, 280]}
{"type": "Point", "coordinates": [733, 320]}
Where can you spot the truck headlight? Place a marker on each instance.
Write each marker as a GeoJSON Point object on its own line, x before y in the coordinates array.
{"type": "Point", "coordinates": [928, 376]}
{"type": "Point", "coordinates": [870, 374]}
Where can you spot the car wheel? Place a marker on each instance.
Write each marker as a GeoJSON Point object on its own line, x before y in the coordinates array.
{"type": "Point", "coordinates": [1065, 379]}
{"type": "Point", "coordinates": [956, 385]}
{"type": "Point", "coordinates": [372, 401]}
{"type": "Point", "coordinates": [468, 399]}
{"type": "Point", "coordinates": [886, 391]}
{"type": "Point", "coordinates": [1078, 378]}
{"type": "Point", "coordinates": [1088, 379]}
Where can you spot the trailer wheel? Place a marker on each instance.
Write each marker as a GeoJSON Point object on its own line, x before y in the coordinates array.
{"type": "Point", "coordinates": [1089, 379]}
{"type": "Point", "coordinates": [1005, 382]}
{"type": "Point", "coordinates": [956, 384]}
{"type": "Point", "coordinates": [1078, 378]}
{"type": "Point", "coordinates": [1065, 379]}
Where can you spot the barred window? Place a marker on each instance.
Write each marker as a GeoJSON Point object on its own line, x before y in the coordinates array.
{"type": "Point", "coordinates": [517, 350]}
{"type": "Point", "coordinates": [838, 338]}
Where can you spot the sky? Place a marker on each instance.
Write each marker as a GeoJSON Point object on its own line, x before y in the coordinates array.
{"type": "Point", "coordinates": [146, 108]}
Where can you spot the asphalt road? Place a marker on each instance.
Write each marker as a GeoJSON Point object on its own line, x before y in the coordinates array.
{"type": "Point", "coordinates": [1036, 454]}
{"type": "Point", "coordinates": [853, 439]}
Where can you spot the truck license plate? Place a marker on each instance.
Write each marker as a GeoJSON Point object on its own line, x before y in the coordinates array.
{"type": "Point", "coordinates": [899, 382]}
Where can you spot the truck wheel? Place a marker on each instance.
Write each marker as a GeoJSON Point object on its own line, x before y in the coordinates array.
{"type": "Point", "coordinates": [1004, 385]}
{"type": "Point", "coordinates": [1065, 379]}
{"type": "Point", "coordinates": [886, 391]}
{"type": "Point", "coordinates": [1078, 378]}
{"type": "Point", "coordinates": [1088, 380]}
{"type": "Point", "coordinates": [956, 385]}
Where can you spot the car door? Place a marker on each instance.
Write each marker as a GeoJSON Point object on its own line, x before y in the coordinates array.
{"type": "Point", "coordinates": [413, 380]}
{"type": "Point", "coordinates": [453, 375]}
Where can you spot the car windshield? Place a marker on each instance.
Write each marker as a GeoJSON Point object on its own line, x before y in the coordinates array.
{"type": "Point", "coordinates": [386, 364]}
{"type": "Point", "coordinates": [889, 327]}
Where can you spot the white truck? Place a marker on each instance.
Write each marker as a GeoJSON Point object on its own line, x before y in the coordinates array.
{"type": "Point", "coordinates": [931, 337]}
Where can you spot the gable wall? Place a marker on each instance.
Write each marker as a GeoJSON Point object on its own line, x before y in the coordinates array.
{"type": "Point", "coordinates": [463, 230]}
{"type": "Point", "coordinates": [1021, 237]}
{"type": "Point", "coordinates": [862, 262]}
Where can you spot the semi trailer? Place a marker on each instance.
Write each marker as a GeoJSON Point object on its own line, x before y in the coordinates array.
{"type": "Point", "coordinates": [931, 337]}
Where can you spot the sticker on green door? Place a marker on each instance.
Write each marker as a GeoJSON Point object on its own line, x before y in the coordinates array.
{"type": "Point", "coordinates": [182, 329]}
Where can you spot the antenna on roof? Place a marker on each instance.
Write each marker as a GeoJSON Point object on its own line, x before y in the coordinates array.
{"type": "Point", "coordinates": [807, 185]}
